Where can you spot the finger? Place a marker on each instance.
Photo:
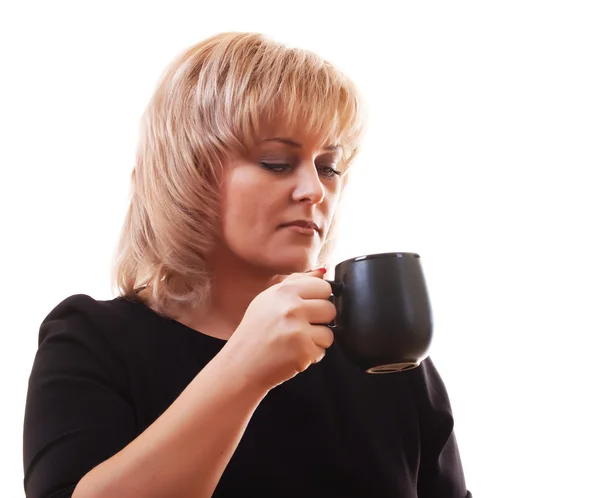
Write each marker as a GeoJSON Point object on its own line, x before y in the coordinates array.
{"type": "Point", "coordinates": [322, 336]}
{"type": "Point", "coordinates": [311, 273]}
{"type": "Point", "coordinates": [317, 353]}
{"type": "Point", "coordinates": [318, 311]}
{"type": "Point", "coordinates": [309, 287]}
{"type": "Point", "coordinates": [279, 278]}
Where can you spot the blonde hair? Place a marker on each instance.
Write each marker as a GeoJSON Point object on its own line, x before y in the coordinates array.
{"type": "Point", "coordinates": [210, 103]}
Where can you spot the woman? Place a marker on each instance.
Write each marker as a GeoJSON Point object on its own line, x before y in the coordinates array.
{"type": "Point", "coordinates": [210, 374]}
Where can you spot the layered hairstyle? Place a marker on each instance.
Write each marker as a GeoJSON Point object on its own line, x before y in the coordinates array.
{"type": "Point", "coordinates": [211, 103]}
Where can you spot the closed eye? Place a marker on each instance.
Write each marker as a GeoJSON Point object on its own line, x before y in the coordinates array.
{"type": "Point", "coordinates": [328, 171]}
{"type": "Point", "coordinates": [276, 167]}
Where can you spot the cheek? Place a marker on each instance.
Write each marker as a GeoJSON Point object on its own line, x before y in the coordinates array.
{"type": "Point", "coordinates": [239, 215]}
{"type": "Point", "coordinates": [244, 205]}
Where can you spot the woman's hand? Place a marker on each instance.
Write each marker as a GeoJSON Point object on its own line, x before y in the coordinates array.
{"type": "Point", "coordinates": [279, 335]}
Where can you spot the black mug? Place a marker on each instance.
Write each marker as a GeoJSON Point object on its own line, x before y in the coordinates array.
{"type": "Point", "coordinates": [383, 321]}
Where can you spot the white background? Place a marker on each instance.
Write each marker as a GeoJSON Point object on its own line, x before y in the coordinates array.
{"type": "Point", "coordinates": [483, 155]}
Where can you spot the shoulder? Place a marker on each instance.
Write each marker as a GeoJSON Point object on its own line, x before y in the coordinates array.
{"type": "Point", "coordinates": [105, 324]}
{"type": "Point", "coordinates": [86, 306]}
{"type": "Point", "coordinates": [82, 308]}
{"type": "Point", "coordinates": [84, 337]}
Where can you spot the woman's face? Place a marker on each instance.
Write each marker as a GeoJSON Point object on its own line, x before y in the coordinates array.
{"type": "Point", "coordinates": [279, 202]}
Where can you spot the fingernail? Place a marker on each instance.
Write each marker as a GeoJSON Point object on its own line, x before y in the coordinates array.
{"type": "Point", "coordinates": [322, 270]}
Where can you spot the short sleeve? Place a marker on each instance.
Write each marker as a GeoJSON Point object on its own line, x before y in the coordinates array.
{"type": "Point", "coordinates": [440, 471]}
{"type": "Point", "coordinates": [77, 411]}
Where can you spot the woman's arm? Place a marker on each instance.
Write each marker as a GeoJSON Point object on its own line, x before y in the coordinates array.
{"type": "Point", "coordinates": [185, 451]}
{"type": "Point", "coordinates": [440, 470]}
{"type": "Point", "coordinates": [81, 433]}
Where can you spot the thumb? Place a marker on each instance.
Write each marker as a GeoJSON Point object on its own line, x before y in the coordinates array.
{"type": "Point", "coordinates": [319, 273]}
{"type": "Point", "coordinates": [277, 279]}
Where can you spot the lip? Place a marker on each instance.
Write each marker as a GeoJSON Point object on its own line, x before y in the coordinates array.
{"type": "Point", "coordinates": [306, 227]}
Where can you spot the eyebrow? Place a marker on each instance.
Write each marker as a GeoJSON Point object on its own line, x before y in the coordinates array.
{"type": "Point", "coordinates": [297, 145]}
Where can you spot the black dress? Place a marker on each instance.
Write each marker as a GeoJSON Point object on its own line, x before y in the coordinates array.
{"type": "Point", "coordinates": [105, 370]}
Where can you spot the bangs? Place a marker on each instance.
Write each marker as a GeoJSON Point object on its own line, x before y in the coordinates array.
{"type": "Point", "coordinates": [272, 86]}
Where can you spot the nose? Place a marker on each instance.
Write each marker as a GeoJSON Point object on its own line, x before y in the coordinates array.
{"type": "Point", "coordinates": [309, 187]}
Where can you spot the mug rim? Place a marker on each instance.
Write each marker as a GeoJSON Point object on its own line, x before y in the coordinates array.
{"type": "Point", "coordinates": [380, 255]}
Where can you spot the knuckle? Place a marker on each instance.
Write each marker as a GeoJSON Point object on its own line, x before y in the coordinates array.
{"type": "Point", "coordinates": [282, 288]}
{"type": "Point", "coordinates": [291, 309]}
{"type": "Point", "coordinates": [295, 336]}
{"type": "Point", "coordinates": [319, 356]}
{"type": "Point", "coordinates": [302, 365]}
{"type": "Point", "coordinates": [296, 333]}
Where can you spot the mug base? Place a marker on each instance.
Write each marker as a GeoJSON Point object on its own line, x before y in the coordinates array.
{"type": "Point", "coordinates": [393, 367]}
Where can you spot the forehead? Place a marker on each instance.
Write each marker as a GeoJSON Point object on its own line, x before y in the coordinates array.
{"type": "Point", "coordinates": [297, 136]}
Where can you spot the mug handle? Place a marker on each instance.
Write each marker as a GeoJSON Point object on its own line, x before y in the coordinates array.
{"type": "Point", "coordinates": [336, 287]}
{"type": "Point", "coordinates": [336, 290]}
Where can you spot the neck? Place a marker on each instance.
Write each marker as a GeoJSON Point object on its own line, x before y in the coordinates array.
{"type": "Point", "coordinates": [234, 285]}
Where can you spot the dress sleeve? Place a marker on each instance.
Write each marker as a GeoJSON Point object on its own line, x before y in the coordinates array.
{"type": "Point", "coordinates": [440, 470]}
{"type": "Point", "coordinates": [77, 411]}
